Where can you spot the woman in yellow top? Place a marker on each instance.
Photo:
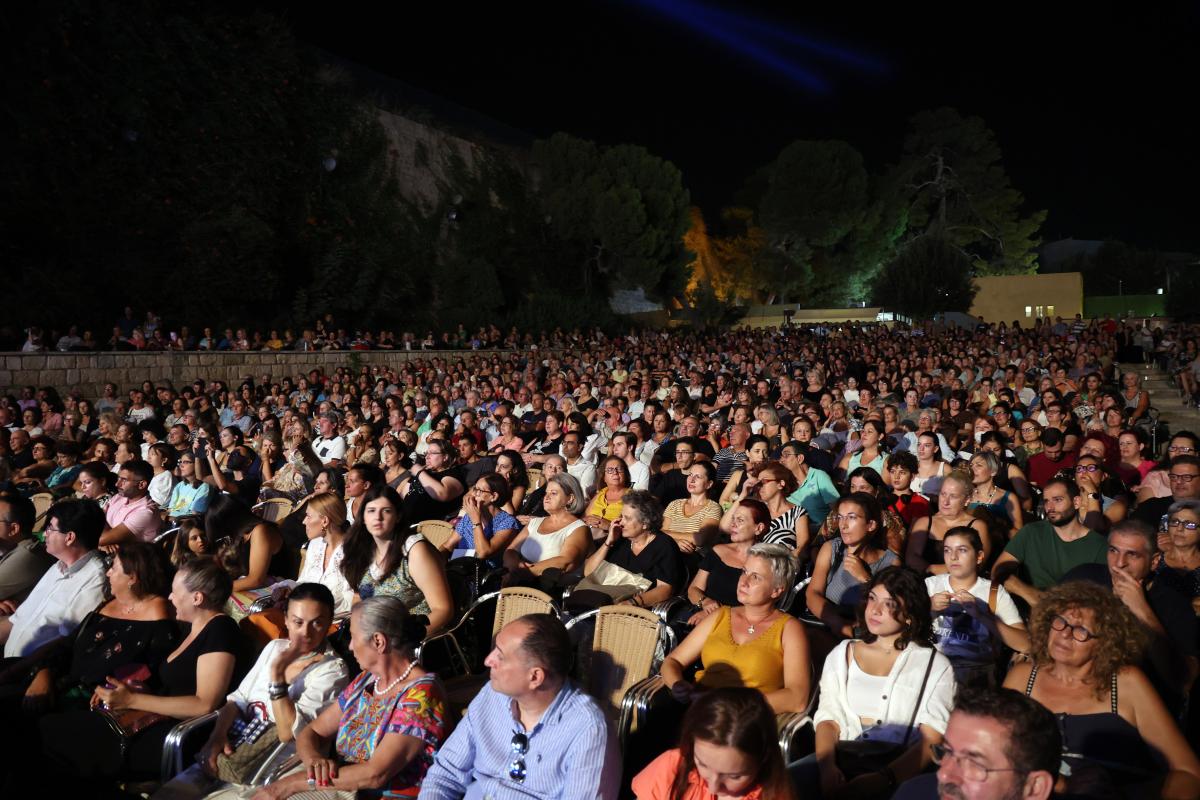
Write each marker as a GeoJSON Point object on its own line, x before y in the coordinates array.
{"type": "Point", "coordinates": [605, 507]}
{"type": "Point", "coordinates": [753, 645]}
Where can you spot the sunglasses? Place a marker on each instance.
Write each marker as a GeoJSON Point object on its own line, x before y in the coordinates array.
{"type": "Point", "coordinates": [520, 746]}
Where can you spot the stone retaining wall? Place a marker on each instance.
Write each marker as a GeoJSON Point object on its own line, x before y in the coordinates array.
{"type": "Point", "coordinates": [88, 372]}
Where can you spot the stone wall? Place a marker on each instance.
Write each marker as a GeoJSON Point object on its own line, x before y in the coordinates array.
{"type": "Point", "coordinates": [88, 372]}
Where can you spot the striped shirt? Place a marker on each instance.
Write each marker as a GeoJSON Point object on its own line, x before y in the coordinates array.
{"type": "Point", "coordinates": [572, 753]}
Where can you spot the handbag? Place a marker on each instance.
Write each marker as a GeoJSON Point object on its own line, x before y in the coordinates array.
{"type": "Point", "coordinates": [254, 746]}
{"type": "Point", "coordinates": [863, 756]}
{"type": "Point", "coordinates": [614, 581]}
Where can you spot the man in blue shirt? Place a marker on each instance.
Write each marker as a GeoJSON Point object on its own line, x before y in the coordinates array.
{"type": "Point", "coordinates": [530, 733]}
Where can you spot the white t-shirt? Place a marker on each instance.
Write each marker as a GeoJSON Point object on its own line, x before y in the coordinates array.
{"type": "Point", "coordinates": [960, 636]}
{"type": "Point", "coordinates": [331, 449]}
{"type": "Point", "coordinates": [639, 476]}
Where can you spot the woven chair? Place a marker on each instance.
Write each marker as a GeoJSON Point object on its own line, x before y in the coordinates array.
{"type": "Point", "coordinates": [535, 478]}
{"type": "Point", "coordinates": [41, 504]}
{"type": "Point", "coordinates": [511, 603]}
{"type": "Point", "coordinates": [436, 532]}
{"type": "Point", "coordinates": [275, 509]}
{"type": "Point", "coordinates": [624, 652]}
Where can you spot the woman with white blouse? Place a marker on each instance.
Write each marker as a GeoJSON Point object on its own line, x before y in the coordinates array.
{"type": "Point", "coordinates": [885, 695]}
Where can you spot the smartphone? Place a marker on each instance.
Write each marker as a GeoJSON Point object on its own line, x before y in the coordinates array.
{"type": "Point", "coordinates": [174, 336]}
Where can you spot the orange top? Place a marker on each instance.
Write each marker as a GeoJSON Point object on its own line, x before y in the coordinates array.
{"type": "Point", "coordinates": [656, 780]}
{"type": "Point", "coordinates": [757, 664]}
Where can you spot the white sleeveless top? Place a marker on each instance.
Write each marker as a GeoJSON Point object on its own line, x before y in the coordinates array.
{"type": "Point", "coordinates": [541, 546]}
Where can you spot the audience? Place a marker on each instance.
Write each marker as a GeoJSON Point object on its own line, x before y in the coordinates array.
{"type": "Point", "coordinates": [909, 414]}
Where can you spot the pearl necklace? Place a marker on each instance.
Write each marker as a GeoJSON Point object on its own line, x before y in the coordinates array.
{"type": "Point", "coordinates": [392, 685]}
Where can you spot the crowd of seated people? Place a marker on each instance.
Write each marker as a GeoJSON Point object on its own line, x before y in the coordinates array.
{"type": "Point", "coordinates": [917, 537]}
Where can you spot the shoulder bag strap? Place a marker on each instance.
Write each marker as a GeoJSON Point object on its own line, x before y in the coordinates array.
{"type": "Point", "coordinates": [992, 592]}
{"type": "Point", "coordinates": [920, 697]}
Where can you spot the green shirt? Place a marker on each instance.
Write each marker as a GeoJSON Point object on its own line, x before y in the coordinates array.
{"type": "Point", "coordinates": [1046, 557]}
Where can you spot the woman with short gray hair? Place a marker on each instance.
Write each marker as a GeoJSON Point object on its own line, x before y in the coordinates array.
{"type": "Point", "coordinates": [554, 544]}
{"type": "Point", "coordinates": [635, 543]}
{"type": "Point", "coordinates": [388, 722]}
{"type": "Point", "coordinates": [755, 644]}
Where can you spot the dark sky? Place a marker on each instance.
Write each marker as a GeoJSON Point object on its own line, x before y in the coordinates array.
{"type": "Point", "coordinates": [1094, 109]}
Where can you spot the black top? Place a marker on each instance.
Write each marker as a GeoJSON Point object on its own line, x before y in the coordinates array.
{"type": "Point", "coordinates": [660, 561]}
{"type": "Point", "coordinates": [1163, 661]}
{"type": "Point", "coordinates": [178, 677]}
{"type": "Point", "coordinates": [666, 453]}
{"type": "Point", "coordinates": [103, 646]}
{"type": "Point", "coordinates": [420, 506]}
{"type": "Point", "coordinates": [1152, 511]}
{"type": "Point", "coordinates": [722, 579]}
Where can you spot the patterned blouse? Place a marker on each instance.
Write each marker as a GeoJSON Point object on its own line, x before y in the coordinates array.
{"type": "Point", "coordinates": [418, 711]}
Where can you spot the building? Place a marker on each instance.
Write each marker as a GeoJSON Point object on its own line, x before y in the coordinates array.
{"type": "Point", "coordinates": [1025, 298]}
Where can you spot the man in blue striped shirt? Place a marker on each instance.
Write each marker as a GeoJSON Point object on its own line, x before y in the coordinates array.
{"type": "Point", "coordinates": [530, 733]}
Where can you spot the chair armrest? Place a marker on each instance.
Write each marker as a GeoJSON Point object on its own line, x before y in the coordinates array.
{"type": "Point", "coordinates": [283, 757]}
{"type": "Point", "coordinates": [172, 754]}
{"type": "Point", "coordinates": [668, 606]}
{"type": "Point", "coordinates": [788, 725]}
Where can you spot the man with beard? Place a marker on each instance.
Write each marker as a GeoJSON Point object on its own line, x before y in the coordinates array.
{"type": "Point", "coordinates": [999, 745]}
{"type": "Point", "coordinates": [1044, 551]}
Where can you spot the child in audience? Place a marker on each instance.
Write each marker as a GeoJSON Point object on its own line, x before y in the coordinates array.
{"type": "Point", "coordinates": [973, 618]}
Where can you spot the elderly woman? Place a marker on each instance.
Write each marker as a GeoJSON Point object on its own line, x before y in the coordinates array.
{"type": "Point", "coordinates": [192, 680]}
{"type": "Point", "coordinates": [485, 528]}
{"type": "Point", "coordinates": [531, 506]}
{"type": "Point", "coordinates": [1180, 545]}
{"type": "Point", "coordinates": [693, 520]}
{"type": "Point", "coordinates": [364, 449]}
{"type": "Point", "coordinates": [754, 644]}
{"type": "Point", "coordinates": [1115, 729]}
{"type": "Point", "coordinates": [385, 726]}
{"type": "Point", "coordinates": [558, 541]}
{"type": "Point", "coordinates": [293, 480]}
{"type": "Point", "coordinates": [886, 696]}
{"type": "Point", "coordinates": [381, 558]}
{"type": "Point", "coordinates": [846, 563]}
{"type": "Point", "coordinates": [635, 544]}
{"type": "Point", "coordinates": [434, 488]}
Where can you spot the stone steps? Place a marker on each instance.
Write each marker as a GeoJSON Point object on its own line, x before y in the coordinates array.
{"type": "Point", "coordinates": [1165, 397]}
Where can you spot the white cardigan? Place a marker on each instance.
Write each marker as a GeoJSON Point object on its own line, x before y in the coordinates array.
{"type": "Point", "coordinates": [900, 694]}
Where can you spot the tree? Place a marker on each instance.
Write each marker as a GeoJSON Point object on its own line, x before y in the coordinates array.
{"type": "Point", "coordinates": [1120, 268]}
{"type": "Point", "coordinates": [929, 275]}
{"type": "Point", "coordinates": [620, 211]}
{"type": "Point", "coordinates": [953, 178]}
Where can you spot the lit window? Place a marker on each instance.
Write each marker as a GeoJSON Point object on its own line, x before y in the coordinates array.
{"type": "Point", "coordinates": [1049, 311]}
{"type": "Point", "coordinates": [1028, 311]}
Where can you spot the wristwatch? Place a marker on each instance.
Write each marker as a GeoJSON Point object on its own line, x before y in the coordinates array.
{"type": "Point", "coordinates": [1094, 496]}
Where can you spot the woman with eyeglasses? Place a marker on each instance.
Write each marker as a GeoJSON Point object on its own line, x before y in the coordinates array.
{"type": "Point", "coordinates": [485, 528]}
{"type": "Point", "coordinates": [605, 507]}
{"type": "Point", "coordinates": [1115, 729]}
{"type": "Point", "coordinates": [1180, 546]}
{"type": "Point", "coordinates": [845, 563]}
{"type": "Point", "coordinates": [772, 484]}
{"type": "Point", "coordinates": [1029, 441]}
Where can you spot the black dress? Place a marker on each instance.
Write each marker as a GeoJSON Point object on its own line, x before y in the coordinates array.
{"type": "Point", "coordinates": [81, 746]}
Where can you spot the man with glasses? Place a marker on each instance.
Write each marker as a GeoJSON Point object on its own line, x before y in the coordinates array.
{"type": "Point", "coordinates": [530, 732]}
{"type": "Point", "coordinates": [999, 745]}
{"type": "Point", "coordinates": [1170, 661]}
{"type": "Point", "coordinates": [23, 560]}
{"type": "Point", "coordinates": [1184, 475]}
{"type": "Point", "coordinates": [672, 485]}
{"type": "Point", "coordinates": [69, 590]}
{"type": "Point", "coordinates": [1044, 551]}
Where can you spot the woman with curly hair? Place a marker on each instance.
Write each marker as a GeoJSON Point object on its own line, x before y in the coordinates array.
{"type": "Point", "coordinates": [1115, 729]}
{"type": "Point", "coordinates": [886, 695]}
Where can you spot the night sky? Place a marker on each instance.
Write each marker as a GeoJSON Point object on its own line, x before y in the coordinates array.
{"type": "Point", "coordinates": [1094, 109]}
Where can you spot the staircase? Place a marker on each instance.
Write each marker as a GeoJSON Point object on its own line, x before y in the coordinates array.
{"type": "Point", "coordinates": [1178, 415]}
